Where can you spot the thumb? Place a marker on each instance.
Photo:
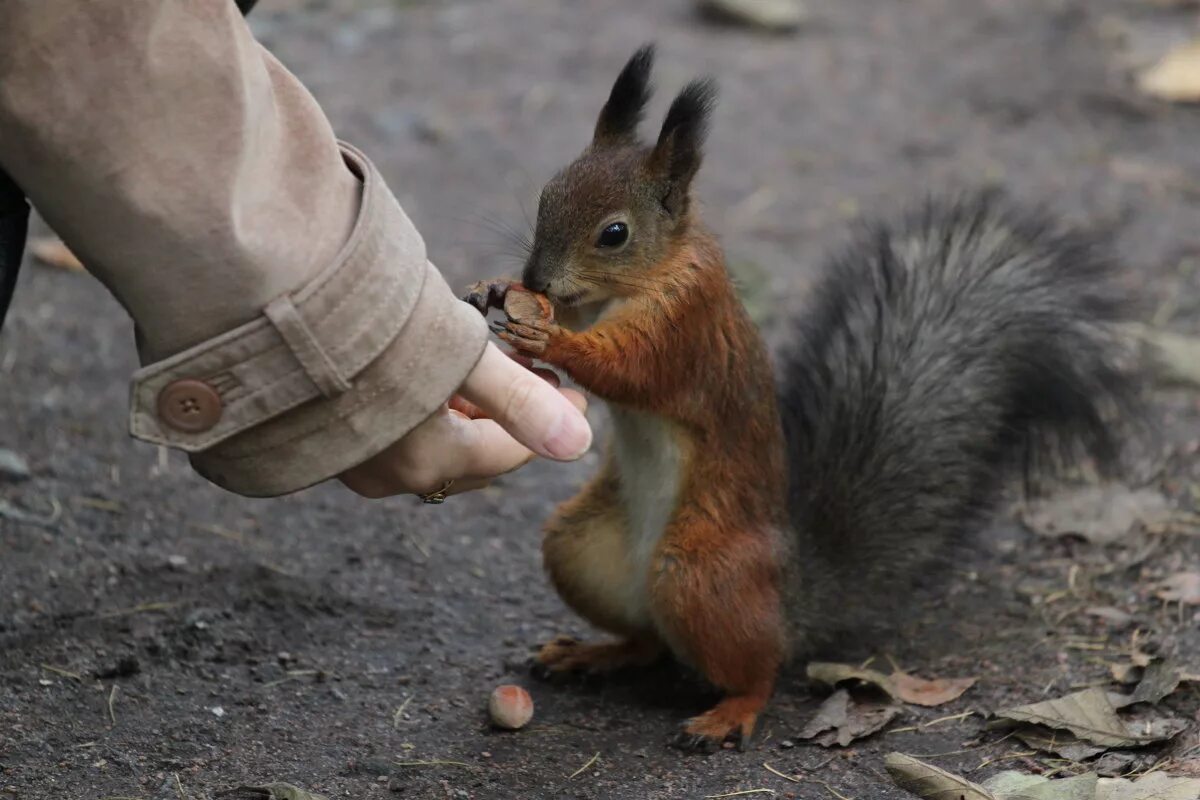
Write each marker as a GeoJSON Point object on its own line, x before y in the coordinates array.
{"type": "Point", "coordinates": [536, 414]}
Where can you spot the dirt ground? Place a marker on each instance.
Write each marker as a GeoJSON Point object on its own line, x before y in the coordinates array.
{"type": "Point", "coordinates": [165, 640]}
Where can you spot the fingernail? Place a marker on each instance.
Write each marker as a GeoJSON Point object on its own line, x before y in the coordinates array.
{"type": "Point", "coordinates": [570, 436]}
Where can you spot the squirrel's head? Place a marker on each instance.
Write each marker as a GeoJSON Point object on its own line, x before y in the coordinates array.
{"type": "Point", "coordinates": [622, 207]}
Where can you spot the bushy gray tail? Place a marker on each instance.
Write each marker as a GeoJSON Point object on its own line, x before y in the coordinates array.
{"type": "Point", "coordinates": [934, 361]}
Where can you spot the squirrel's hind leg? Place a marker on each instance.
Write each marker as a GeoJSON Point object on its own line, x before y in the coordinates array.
{"type": "Point", "coordinates": [586, 554]}
{"type": "Point", "coordinates": [720, 611]}
{"type": "Point", "coordinates": [567, 655]}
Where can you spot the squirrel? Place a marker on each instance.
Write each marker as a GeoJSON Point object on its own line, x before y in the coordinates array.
{"type": "Point", "coordinates": [736, 524]}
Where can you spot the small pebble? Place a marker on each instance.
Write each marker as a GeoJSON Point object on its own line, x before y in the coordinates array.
{"type": "Point", "coordinates": [13, 467]}
{"type": "Point", "coordinates": [510, 707]}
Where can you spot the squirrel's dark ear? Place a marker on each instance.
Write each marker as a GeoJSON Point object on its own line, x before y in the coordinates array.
{"type": "Point", "coordinates": [621, 114]}
{"type": "Point", "coordinates": [676, 156]}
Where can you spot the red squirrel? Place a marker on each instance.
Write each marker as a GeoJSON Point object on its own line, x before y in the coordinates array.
{"type": "Point", "coordinates": [722, 532]}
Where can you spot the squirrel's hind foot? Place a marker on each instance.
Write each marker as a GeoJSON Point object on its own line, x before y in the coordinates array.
{"type": "Point", "coordinates": [565, 655]}
{"type": "Point", "coordinates": [731, 720]}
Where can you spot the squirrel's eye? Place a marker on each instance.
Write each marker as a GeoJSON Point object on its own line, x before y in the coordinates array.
{"type": "Point", "coordinates": [614, 235]}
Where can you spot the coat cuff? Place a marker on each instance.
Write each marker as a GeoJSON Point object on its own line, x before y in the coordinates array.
{"type": "Point", "coordinates": [328, 375]}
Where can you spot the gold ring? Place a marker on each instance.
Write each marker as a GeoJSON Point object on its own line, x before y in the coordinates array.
{"type": "Point", "coordinates": [438, 496]}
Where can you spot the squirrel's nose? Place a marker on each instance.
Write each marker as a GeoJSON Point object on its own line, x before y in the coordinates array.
{"type": "Point", "coordinates": [535, 278]}
{"type": "Point", "coordinates": [536, 284]}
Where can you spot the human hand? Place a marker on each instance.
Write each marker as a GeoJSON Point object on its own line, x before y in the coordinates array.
{"type": "Point", "coordinates": [504, 414]}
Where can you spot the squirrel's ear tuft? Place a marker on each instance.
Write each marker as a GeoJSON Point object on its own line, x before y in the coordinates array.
{"type": "Point", "coordinates": [621, 114]}
{"type": "Point", "coordinates": [676, 156]}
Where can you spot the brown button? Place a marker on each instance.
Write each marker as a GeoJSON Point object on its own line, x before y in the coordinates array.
{"type": "Point", "coordinates": [189, 406]}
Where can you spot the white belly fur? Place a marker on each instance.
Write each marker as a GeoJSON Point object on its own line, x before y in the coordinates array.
{"type": "Point", "coordinates": [649, 462]}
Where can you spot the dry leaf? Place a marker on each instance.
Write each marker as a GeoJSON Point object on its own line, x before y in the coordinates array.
{"type": "Point", "coordinates": [1176, 77]}
{"type": "Point", "coordinates": [1182, 587]}
{"type": "Point", "coordinates": [1089, 714]}
{"type": "Point", "coordinates": [1173, 357]}
{"type": "Point", "coordinates": [51, 251]}
{"type": "Point", "coordinates": [930, 782]}
{"type": "Point", "coordinates": [1126, 673]}
{"type": "Point", "coordinates": [1109, 614]}
{"type": "Point", "coordinates": [1155, 786]}
{"type": "Point", "coordinates": [1100, 514]}
{"type": "Point", "coordinates": [832, 674]}
{"type": "Point", "coordinates": [1019, 786]}
{"type": "Point", "coordinates": [899, 685]}
{"type": "Point", "coordinates": [1062, 743]}
{"type": "Point", "coordinates": [921, 692]}
{"type": "Point", "coordinates": [1159, 680]}
{"type": "Point", "coordinates": [840, 720]}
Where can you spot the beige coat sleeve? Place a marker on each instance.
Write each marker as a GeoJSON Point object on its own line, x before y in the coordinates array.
{"type": "Point", "coordinates": [289, 323]}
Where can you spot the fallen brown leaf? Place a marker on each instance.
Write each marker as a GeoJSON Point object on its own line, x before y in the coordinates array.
{"type": "Point", "coordinates": [1062, 743]}
{"type": "Point", "coordinates": [936, 692]}
{"type": "Point", "coordinates": [1176, 76]}
{"type": "Point", "coordinates": [930, 782]}
{"type": "Point", "coordinates": [1173, 358]}
{"type": "Point", "coordinates": [899, 685]}
{"type": "Point", "coordinates": [1089, 714]}
{"type": "Point", "coordinates": [840, 720]}
{"type": "Point", "coordinates": [1182, 587]}
{"type": "Point", "coordinates": [1155, 786]}
{"type": "Point", "coordinates": [51, 251]}
{"type": "Point", "coordinates": [1013, 785]}
{"type": "Point", "coordinates": [1158, 681]}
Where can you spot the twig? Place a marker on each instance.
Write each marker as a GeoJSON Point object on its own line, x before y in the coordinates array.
{"type": "Point", "coordinates": [100, 504]}
{"type": "Point", "coordinates": [224, 533]}
{"type": "Point", "coordinates": [436, 762]}
{"type": "Point", "coordinates": [1007, 757]}
{"type": "Point", "coordinates": [774, 771]}
{"type": "Point", "coordinates": [112, 698]}
{"type": "Point", "coordinates": [295, 674]}
{"type": "Point", "coordinates": [400, 711]}
{"type": "Point", "coordinates": [179, 787]}
{"type": "Point", "coordinates": [582, 769]}
{"type": "Point", "coordinates": [163, 605]}
{"type": "Point", "coordinates": [739, 794]}
{"type": "Point", "coordinates": [832, 790]}
{"type": "Point", "coordinates": [932, 722]}
{"type": "Point", "coordinates": [64, 672]}
{"type": "Point", "coordinates": [13, 514]}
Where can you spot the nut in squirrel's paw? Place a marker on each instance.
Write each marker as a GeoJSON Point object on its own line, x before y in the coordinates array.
{"type": "Point", "coordinates": [530, 321]}
{"type": "Point", "coordinates": [524, 306]}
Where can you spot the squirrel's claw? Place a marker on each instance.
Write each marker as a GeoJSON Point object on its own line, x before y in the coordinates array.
{"type": "Point", "coordinates": [525, 339]}
{"type": "Point", "coordinates": [695, 743]}
{"type": "Point", "coordinates": [489, 294]}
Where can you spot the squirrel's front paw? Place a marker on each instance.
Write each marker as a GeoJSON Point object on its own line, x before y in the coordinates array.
{"type": "Point", "coordinates": [488, 294]}
{"type": "Point", "coordinates": [530, 338]}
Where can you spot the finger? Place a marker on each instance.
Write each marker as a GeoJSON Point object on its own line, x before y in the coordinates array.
{"type": "Point", "coordinates": [534, 413]}
{"type": "Point", "coordinates": [452, 447]}
{"type": "Point", "coordinates": [469, 410]}
{"type": "Point", "coordinates": [486, 450]}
